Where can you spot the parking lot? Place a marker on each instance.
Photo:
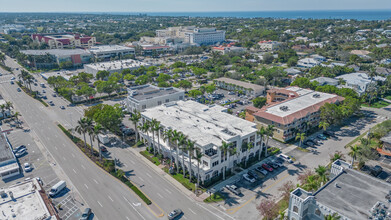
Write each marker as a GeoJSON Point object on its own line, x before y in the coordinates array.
{"type": "Point", "coordinates": [41, 168]}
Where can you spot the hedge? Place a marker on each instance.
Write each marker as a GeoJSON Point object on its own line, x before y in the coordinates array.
{"type": "Point", "coordinates": [108, 165]}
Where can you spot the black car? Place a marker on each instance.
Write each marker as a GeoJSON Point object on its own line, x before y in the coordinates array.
{"type": "Point", "coordinates": [275, 166]}
{"type": "Point", "coordinates": [328, 133]}
{"type": "Point", "coordinates": [253, 174]}
{"type": "Point", "coordinates": [309, 143]}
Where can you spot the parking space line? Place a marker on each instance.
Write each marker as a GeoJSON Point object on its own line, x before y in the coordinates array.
{"type": "Point", "coordinates": [192, 211]}
{"type": "Point", "coordinates": [148, 175]}
{"type": "Point", "coordinates": [83, 167]}
{"type": "Point", "coordinates": [95, 181]}
{"type": "Point", "coordinates": [110, 198]}
{"type": "Point", "coordinates": [74, 170]}
{"type": "Point", "coordinates": [86, 185]}
{"type": "Point", "coordinates": [159, 195]}
{"type": "Point", "coordinates": [64, 158]}
{"type": "Point", "coordinates": [141, 179]}
{"type": "Point", "coordinates": [100, 204]}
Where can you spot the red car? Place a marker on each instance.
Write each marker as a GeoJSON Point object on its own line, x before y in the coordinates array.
{"type": "Point", "coordinates": [267, 167]}
{"type": "Point", "coordinates": [103, 149]}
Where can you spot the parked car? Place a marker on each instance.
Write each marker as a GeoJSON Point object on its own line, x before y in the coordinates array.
{"type": "Point", "coordinates": [273, 165]}
{"type": "Point", "coordinates": [103, 149]}
{"type": "Point", "coordinates": [286, 158]}
{"type": "Point", "coordinates": [174, 214]}
{"type": "Point", "coordinates": [18, 89]}
{"type": "Point", "coordinates": [234, 189]}
{"type": "Point", "coordinates": [322, 136]}
{"type": "Point", "coordinates": [252, 174]}
{"type": "Point", "coordinates": [86, 214]}
{"type": "Point", "coordinates": [20, 153]}
{"type": "Point", "coordinates": [62, 107]}
{"type": "Point", "coordinates": [328, 133]}
{"type": "Point", "coordinates": [51, 103]}
{"type": "Point", "coordinates": [261, 170]}
{"type": "Point", "coordinates": [43, 91]}
{"type": "Point", "coordinates": [267, 167]}
{"type": "Point", "coordinates": [231, 93]}
{"type": "Point", "coordinates": [19, 148]}
{"type": "Point", "coordinates": [27, 167]}
{"type": "Point", "coordinates": [44, 97]}
{"type": "Point", "coordinates": [248, 178]}
{"type": "Point", "coordinates": [54, 95]}
{"type": "Point", "coordinates": [376, 170]}
{"type": "Point", "coordinates": [278, 163]}
{"type": "Point", "coordinates": [12, 82]}
{"type": "Point", "coordinates": [309, 143]}
{"type": "Point", "coordinates": [13, 78]}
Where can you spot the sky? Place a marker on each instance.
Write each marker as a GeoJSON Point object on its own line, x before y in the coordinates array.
{"type": "Point", "coordinates": [188, 5]}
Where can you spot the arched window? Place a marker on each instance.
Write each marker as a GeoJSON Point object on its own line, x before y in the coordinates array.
{"type": "Point", "coordinates": [215, 173]}
{"type": "Point", "coordinates": [317, 212]}
{"type": "Point", "coordinates": [295, 209]}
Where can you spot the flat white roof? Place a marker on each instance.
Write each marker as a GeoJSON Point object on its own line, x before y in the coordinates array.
{"type": "Point", "coordinates": [201, 123]}
{"type": "Point", "coordinates": [116, 65]}
{"type": "Point", "coordinates": [109, 48]}
{"type": "Point", "coordinates": [306, 99]}
{"type": "Point", "coordinates": [27, 202]}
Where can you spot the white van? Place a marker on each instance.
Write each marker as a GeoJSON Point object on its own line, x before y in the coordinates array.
{"type": "Point", "coordinates": [286, 158]}
{"type": "Point", "coordinates": [57, 188]}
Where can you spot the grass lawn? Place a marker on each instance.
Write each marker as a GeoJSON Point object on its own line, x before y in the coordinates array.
{"type": "Point", "coordinates": [184, 181]}
{"type": "Point", "coordinates": [356, 140]}
{"type": "Point", "coordinates": [388, 97]}
{"type": "Point", "coordinates": [150, 157]}
{"type": "Point", "coordinates": [216, 197]}
{"type": "Point", "coordinates": [377, 104]}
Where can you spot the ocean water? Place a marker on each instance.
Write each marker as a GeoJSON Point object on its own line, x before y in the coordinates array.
{"type": "Point", "coordinates": [356, 14]}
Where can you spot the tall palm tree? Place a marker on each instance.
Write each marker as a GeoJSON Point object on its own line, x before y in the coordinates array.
{"type": "Point", "coordinates": [3, 107]}
{"type": "Point", "coordinates": [168, 138]}
{"type": "Point", "coordinates": [152, 128]}
{"type": "Point", "coordinates": [261, 132]}
{"type": "Point", "coordinates": [175, 138]}
{"type": "Point", "coordinates": [269, 133]}
{"type": "Point", "coordinates": [354, 151]}
{"type": "Point", "coordinates": [145, 128]}
{"type": "Point", "coordinates": [98, 129]}
{"type": "Point", "coordinates": [198, 157]}
{"type": "Point", "coordinates": [312, 183]}
{"type": "Point", "coordinates": [182, 140]}
{"type": "Point", "coordinates": [82, 128]}
{"type": "Point", "coordinates": [8, 106]}
{"type": "Point", "coordinates": [324, 125]}
{"type": "Point", "coordinates": [249, 147]}
{"type": "Point", "coordinates": [16, 115]}
{"type": "Point", "coordinates": [321, 171]}
{"type": "Point", "coordinates": [190, 151]}
{"type": "Point", "coordinates": [135, 118]}
{"type": "Point", "coordinates": [29, 79]}
{"type": "Point", "coordinates": [224, 149]}
{"type": "Point", "coordinates": [90, 131]}
{"type": "Point", "coordinates": [156, 127]}
{"type": "Point", "coordinates": [232, 152]}
{"type": "Point", "coordinates": [301, 137]}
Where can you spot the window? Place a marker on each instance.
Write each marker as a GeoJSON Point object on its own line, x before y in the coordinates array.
{"type": "Point", "coordinates": [215, 173]}
{"type": "Point", "coordinates": [159, 102]}
{"type": "Point", "coordinates": [144, 107]}
{"type": "Point", "coordinates": [317, 212]}
{"type": "Point", "coordinates": [167, 100]}
{"type": "Point", "coordinates": [205, 163]}
{"type": "Point", "coordinates": [180, 97]}
{"type": "Point", "coordinates": [215, 163]}
{"type": "Point", "coordinates": [295, 209]}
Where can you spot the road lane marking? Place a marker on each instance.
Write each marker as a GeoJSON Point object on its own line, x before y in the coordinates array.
{"type": "Point", "coordinates": [132, 162]}
{"type": "Point", "coordinates": [141, 178]}
{"type": "Point", "coordinates": [83, 167]}
{"type": "Point", "coordinates": [74, 170]}
{"type": "Point", "coordinates": [56, 147]}
{"type": "Point", "coordinates": [210, 211]}
{"type": "Point", "coordinates": [73, 155]}
{"type": "Point", "coordinates": [86, 185]}
{"type": "Point", "coordinates": [149, 175]}
{"type": "Point", "coordinates": [192, 211]}
{"type": "Point", "coordinates": [99, 203]}
{"type": "Point", "coordinates": [95, 181]}
{"type": "Point", "coordinates": [134, 208]}
{"type": "Point", "coordinates": [167, 190]}
{"type": "Point", "coordinates": [160, 195]}
{"type": "Point", "coordinates": [127, 218]}
{"type": "Point", "coordinates": [64, 158]}
{"type": "Point", "coordinates": [110, 198]}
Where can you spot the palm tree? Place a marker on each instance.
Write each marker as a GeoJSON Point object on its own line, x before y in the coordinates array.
{"type": "Point", "coordinates": [324, 125]}
{"type": "Point", "coordinates": [190, 151]}
{"type": "Point", "coordinates": [269, 132]}
{"type": "Point", "coordinates": [135, 118]}
{"type": "Point", "coordinates": [321, 171]}
{"type": "Point", "coordinates": [8, 106]}
{"type": "Point", "coordinates": [182, 139]}
{"type": "Point", "coordinates": [168, 138]}
{"type": "Point", "coordinates": [354, 150]}
{"type": "Point", "coordinates": [175, 138]}
{"type": "Point", "coordinates": [152, 128]}
{"type": "Point", "coordinates": [98, 129]}
{"type": "Point", "coordinates": [2, 58]}
{"type": "Point", "coordinates": [82, 128]}
{"type": "Point", "coordinates": [232, 152]}
{"type": "Point", "coordinates": [301, 137]}
{"type": "Point", "coordinates": [333, 216]}
{"type": "Point", "coordinates": [198, 157]}
{"type": "Point", "coordinates": [145, 128]}
{"type": "Point", "coordinates": [90, 131]}
{"type": "Point", "coordinates": [29, 79]}
{"type": "Point", "coordinates": [249, 147]}
{"type": "Point", "coordinates": [16, 115]}
{"type": "Point", "coordinates": [312, 183]}
{"type": "Point", "coordinates": [224, 149]}
{"type": "Point", "coordinates": [156, 127]}
{"type": "Point", "coordinates": [2, 107]}
{"type": "Point", "coordinates": [261, 132]}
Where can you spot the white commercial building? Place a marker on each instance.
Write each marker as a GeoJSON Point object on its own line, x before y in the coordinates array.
{"type": "Point", "coordinates": [110, 51]}
{"type": "Point", "coordinates": [26, 200]}
{"type": "Point", "coordinates": [9, 166]}
{"type": "Point", "coordinates": [148, 96]}
{"type": "Point", "coordinates": [208, 127]}
{"type": "Point", "coordinates": [201, 36]}
{"type": "Point", "coordinates": [268, 45]}
{"type": "Point", "coordinates": [359, 81]}
{"type": "Point", "coordinates": [308, 63]}
{"type": "Point", "coordinates": [114, 66]}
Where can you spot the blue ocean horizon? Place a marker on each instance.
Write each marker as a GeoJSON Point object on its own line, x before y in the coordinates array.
{"type": "Point", "coordinates": [342, 14]}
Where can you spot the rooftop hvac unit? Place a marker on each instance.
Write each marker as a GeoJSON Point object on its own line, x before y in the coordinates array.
{"type": "Point", "coordinates": [316, 95]}
{"type": "Point", "coordinates": [284, 108]}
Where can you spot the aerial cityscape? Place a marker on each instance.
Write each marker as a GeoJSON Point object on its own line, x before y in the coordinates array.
{"type": "Point", "coordinates": [218, 110]}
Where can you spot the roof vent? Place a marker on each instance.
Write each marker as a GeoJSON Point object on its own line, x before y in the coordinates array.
{"type": "Point", "coordinates": [316, 95]}
{"type": "Point", "coordinates": [284, 108]}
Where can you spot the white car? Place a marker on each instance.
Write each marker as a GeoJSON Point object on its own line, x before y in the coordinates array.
{"type": "Point", "coordinates": [248, 178]}
{"type": "Point", "coordinates": [27, 167]}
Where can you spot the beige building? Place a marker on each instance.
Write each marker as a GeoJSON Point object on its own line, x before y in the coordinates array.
{"type": "Point", "coordinates": [236, 85]}
{"type": "Point", "coordinates": [64, 40]}
{"type": "Point", "coordinates": [290, 110]}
